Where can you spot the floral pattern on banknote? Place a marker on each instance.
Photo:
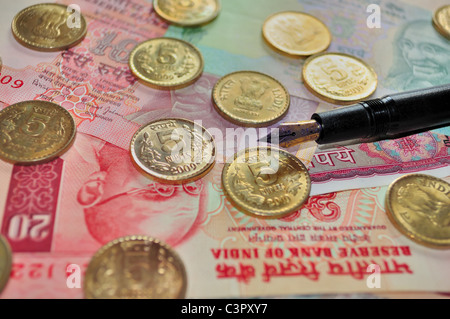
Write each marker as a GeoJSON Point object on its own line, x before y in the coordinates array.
{"type": "Point", "coordinates": [31, 206]}
{"type": "Point", "coordinates": [75, 100]}
{"type": "Point", "coordinates": [407, 149]}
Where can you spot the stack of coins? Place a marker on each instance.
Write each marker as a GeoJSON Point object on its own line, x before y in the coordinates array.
{"type": "Point", "coordinates": [418, 205]}
{"type": "Point", "coordinates": [135, 267]}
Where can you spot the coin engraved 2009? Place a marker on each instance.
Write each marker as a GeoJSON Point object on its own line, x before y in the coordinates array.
{"type": "Point", "coordinates": [173, 150]}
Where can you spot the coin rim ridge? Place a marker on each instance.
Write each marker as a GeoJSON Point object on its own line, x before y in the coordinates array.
{"type": "Point", "coordinates": [122, 239]}
{"type": "Point", "coordinates": [189, 178]}
{"type": "Point", "coordinates": [53, 155]}
{"type": "Point", "coordinates": [265, 215]}
{"type": "Point", "coordinates": [337, 100]}
{"type": "Point", "coordinates": [288, 53]}
{"type": "Point", "coordinates": [403, 230]}
{"type": "Point", "coordinates": [442, 31]}
{"type": "Point", "coordinates": [31, 45]}
{"type": "Point", "coordinates": [229, 116]}
{"type": "Point", "coordinates": [202, 22]}
{"type": "Point", "coordinates": [5, 279]}
{"type": "Point", "coordinates": [142, 79]}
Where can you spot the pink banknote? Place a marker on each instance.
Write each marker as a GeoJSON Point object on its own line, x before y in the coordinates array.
{"type": "Point", "coordinates": [60, 213]}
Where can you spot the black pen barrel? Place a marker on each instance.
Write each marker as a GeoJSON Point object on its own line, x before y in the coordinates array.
{"type": "Point", "coordinates": [388, 116]}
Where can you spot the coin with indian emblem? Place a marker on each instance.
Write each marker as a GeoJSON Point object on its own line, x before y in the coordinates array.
{"type": "Point", "coordinates": [35, 131]}
{"type": "Point", "coordinates": [49, 27]}
{"type": "Point", "coordinates": [5, 262]}
{"type": "Point", "coordinates": [135, 267]}
{"type": "Point", "coordinates": [296, 33]}
{"type": "Point", "coordinates": [266, 182]}
{"type": "Point", "coordinates": [166, 63]}
{"type": "Point", "coordinates": [339, 78]}
{"type": "Point", "coordinates": [250, 98]}
{"type": "Point", "coordinates": [173, 151]}
{"type": "Point", "coordinates": [441, 20]}
{"type": "Point", "coordinates": [418, 205]}
{"type": "Point", "coordinates": [187, 13]}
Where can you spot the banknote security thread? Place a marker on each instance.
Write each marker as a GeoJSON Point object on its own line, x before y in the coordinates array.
{"type": "Point", "coordinates": [250, 98]}
{"type": "Point", "coordinates": [296, 33]}
{"type": "Point", "coordinates": [266, 182]}
{"type": "Point", "coordinates": [166, 63]}
{"type": "Point", "coordinates": [173, 150]}
{"type": "Point", "coordinates": [35, 132]}
{"type": "Point", "coordinates": [187, 13]}
{"type": "Point", "coordinates": [135, 267]}
{"type": "Point", "coordinates": [48, 27]}
{"type": "Point", "coordinates": [339, 78]}
{"type": "Point", "coordinates": [418, 205]}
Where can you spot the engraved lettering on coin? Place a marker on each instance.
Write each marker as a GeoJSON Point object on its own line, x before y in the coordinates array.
{"type": "Point", "coordinates": [166, 63]}
{"type": "Point", "coordinates": [261, 189]}
{"type": "Point", "coordinates": [296, 33]}
{"type": "Point", "coordinates": [44, 27]}
{"type": "Point", "coordinates": [173, 150]}
{"type": "Point", "coordinates": [135, 267]}
{"type": "Point", "coordinates": [34, 132]}
{"type": "Point", "coordinates": [250, 98]}
{"type": "Point", "coordinates": [187, 12]}
{"type": "Point", "coordinates": [419, 206]}
{"type": "Point", "coordinates": [339, 78]}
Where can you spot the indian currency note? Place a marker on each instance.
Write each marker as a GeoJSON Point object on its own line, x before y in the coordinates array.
{"type": "Point", "coordinates": [56, 217]}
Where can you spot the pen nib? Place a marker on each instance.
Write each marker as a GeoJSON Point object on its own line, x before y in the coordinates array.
{"type": "Point", "coordinates": [292, 133]}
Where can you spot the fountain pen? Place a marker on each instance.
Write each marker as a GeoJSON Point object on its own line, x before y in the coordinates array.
{"type": "Point", "coordinates": [403, 113]}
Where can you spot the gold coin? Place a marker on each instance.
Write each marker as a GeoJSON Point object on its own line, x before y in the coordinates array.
{"type": "Point", "coordinates": [135, 267]}
{"type": "Point", "coordinates": [339, 78]}
{"type": "Point", "coordinates": [266, 182]}
{"type": "Point", "coordinates": [35, 131]}
{"type": "Point", "coordinates": [419, 207]}
{"type": "Point", "coordinates": [166, 63]}
{"type": "Point", "coordinates": [250, 98]}
{"type": "Point", "coordinates": [187, 13]}
{"type": "Point", "coordinates": [441, 20]}
{"type": "Point", "coordinates": [296, 33]}
{"type": "Point", "coordinates": [5, 262]}
{"type": "Point", "coordinates": [49, 27]}
{"type": "Point", "coordinates": [173, 150]}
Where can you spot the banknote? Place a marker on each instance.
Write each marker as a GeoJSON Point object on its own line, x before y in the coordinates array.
{"type": "Point", "coordinates": [55, 217]}
{"type": "Point", "coordinates": [58, 214]}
